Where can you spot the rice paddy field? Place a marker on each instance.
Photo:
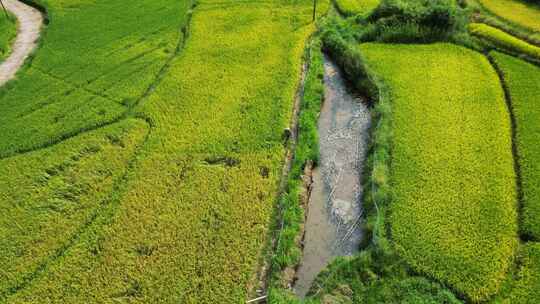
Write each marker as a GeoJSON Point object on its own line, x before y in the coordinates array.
{"type": "Point", "coordinates": [504, 40]}
{"type": "Point", "coordinates": [523, 81]}
{"type": "Point", "coordinates": [155, 151]}
{"type": "Point", "coordinates": [522, 13]}
{"type": "Point", "coordinates": [357, 7]}
{"type": "Point", "coordinates": [454, 211]}
{"type": "Point", "coordinates": [181, 144]}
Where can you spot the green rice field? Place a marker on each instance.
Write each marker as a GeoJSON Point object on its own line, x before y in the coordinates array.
{"type": "Point", "coordinates": [357, 7]}
{"type": "Point", "coordinates": [520, 12]}
{"type": "Point", "coordinates": [504, 40]}
{"type": "Point", "coordinates": [523, 81]}
{"type": "Point", "coordinates": [76, 85]}
{"type": "Point", "coordinates": [155, 151]}
{"type": "Point", "coordinates": [199, 153]}
{"type": "Point", "coordinates": [454, 210]}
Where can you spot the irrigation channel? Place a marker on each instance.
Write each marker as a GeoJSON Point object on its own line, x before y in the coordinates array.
{"type": "Point", "coordinates": [334, 212]}
{"type": "Point", "coordinates": [29, 26]}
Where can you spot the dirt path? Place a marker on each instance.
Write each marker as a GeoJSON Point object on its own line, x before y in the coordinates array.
{"type": "Point", "coordinates": [29, 25]}
{"type": "Point", "coordinates": [334, 213]}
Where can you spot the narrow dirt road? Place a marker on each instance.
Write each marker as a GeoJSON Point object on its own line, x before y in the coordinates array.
{"type": "Point", "coordinates": [29, 25]}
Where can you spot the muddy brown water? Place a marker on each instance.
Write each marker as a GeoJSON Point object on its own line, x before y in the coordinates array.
{"type": "Point", "coordinates": [335, 213]}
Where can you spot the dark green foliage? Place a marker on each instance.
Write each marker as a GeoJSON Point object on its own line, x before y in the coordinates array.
{"type": "Point", "coordinates": [439, 14]}
{"type": "Point", "coordinates": [415, 21]}
{"type": "Point", "coordinates": [339, 41]}
{"type": "Point", "coordinates": [376, 277]}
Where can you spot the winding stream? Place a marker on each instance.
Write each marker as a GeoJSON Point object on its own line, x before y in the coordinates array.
{"type": "Point", "coordinates": [334, 213]}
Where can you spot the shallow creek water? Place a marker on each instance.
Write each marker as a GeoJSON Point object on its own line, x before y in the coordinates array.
{"type": "Point", "coordinates": [334, 212]}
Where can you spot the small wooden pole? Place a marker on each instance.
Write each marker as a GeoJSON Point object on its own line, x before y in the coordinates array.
{"type": "Point", "coordinates": [314, 9]}
{"type": "Point", "coordinates": [257, 299]}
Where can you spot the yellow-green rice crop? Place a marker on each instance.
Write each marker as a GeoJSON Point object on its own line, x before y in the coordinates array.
{"type": "Point", "coordinates": [48, 196]}
{"type": "Point", "coordinates": [8, 29]}
{"type": "Point", "coordinates": [519, 12]}
{"type": "Point", "coordinates": [523, 82]}
{"type": "Point", "coordinates": [522, 286]}
{"type": "Point", "coordinates": [96, 60]}
{"type": "Point", "coordinates": [194, 213]}
{"type": "Point", "coordinates": [357, 7]}
{"type": "Point", "coordinates": [453, 214]}
{"type": "Point", "coordinates": [504, 40]}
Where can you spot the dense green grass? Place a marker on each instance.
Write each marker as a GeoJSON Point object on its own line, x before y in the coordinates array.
{"type": "Point", "coordinates": [504, 40]}
{"type": "Point", "coordinates": [523, 81]}
{"type": "Point", "coordinates": [373, 277]}
{"type": "Point", "coordinates": [519, 12]}
{"type": "Point", "coordinates": [190, 222]}
{"type": "Point", "coordinates": [357, 7]}
{"type": "Point", "coordinates": [96, 60]}
{"type": "Point", "coordinates": [287, 252]}
{"type": "Point", "coordinates": [453, 215]}
{"type": "Point", "coordinates": [8, 30]}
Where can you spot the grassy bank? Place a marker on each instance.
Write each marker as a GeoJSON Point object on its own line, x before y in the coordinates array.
{"type": "Point", "coordinates": [453, 213]}
{"type": "Point", "coordinates": [288, 253]}
{"type": "Point", "coordinates": [8, 30]}
{"type": "Point", "coordinates": [194, 214]}
{"type": "Point", "coordinates": [523, 82]}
